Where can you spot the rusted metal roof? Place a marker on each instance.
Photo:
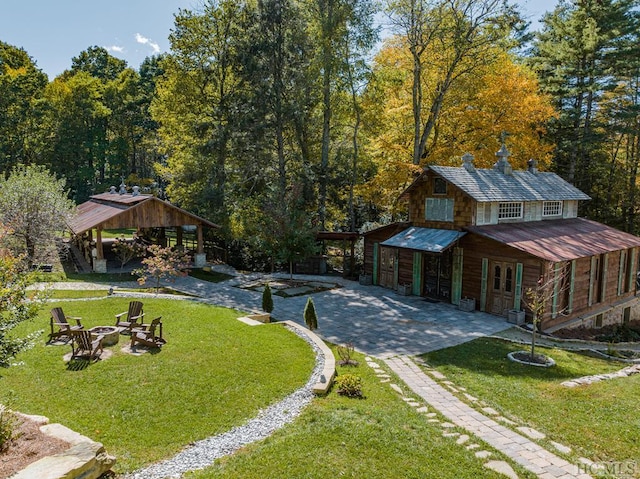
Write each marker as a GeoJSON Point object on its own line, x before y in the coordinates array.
{"type": "Point", "coordinates": [559, 240]}
{"type": "Point", "coordinates": [424, 239]}
{"type": "Point", "coordinates": [104, 210]}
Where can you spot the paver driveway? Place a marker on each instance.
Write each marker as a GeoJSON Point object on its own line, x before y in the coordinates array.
{"type": "Point", "coordinates": [377, 321]}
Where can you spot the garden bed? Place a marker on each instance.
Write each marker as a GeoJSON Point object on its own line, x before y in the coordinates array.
{"type": "Point", "coordinates": [288, 288]}
{"type": "Point", "coordinates": [613, 333]}
{"type": "Point", "coordinates": [28, 445]}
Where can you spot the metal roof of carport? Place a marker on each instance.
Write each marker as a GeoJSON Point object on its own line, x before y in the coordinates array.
{"type": "Point", "coordinates": [430, 240]}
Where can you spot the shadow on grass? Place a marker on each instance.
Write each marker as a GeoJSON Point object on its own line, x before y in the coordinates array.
{"type": "Point", "coordinates": [488, 356]}
{"type": "Point", "coordinates": [78, 364]}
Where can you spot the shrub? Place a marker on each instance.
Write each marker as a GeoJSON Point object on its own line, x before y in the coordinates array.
{"type": "Point", "coordinates": [345, 352]}
{"type": "Point", "coordinates": [7, 423]}
{"type": "Point", "coordinates": [349, 385]}
{"type": "Point", "coordinates": [267, 299]}
{"type": "Point", "coordinates": [310, 317]}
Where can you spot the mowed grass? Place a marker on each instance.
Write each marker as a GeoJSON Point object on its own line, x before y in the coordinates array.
{"type": "Point", "coordinates": [379, 437]}
{"type": "Point", "coordinates": [599, 421]}
{"type": "Point", "coordinates": [214, 373]}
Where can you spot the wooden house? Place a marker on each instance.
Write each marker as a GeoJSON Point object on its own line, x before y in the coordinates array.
{"type": "Point", "coordinates": [486, 236]}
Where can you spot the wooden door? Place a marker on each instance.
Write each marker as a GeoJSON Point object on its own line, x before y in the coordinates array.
{"type": "Point", "coordinates": [437, 275]}
{"type": "Point", "coordinates": [388, 262]}
{"type": "Point", "coordinates": [502, 283]}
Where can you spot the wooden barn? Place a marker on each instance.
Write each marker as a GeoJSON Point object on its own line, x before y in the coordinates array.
{"type": "Point", "coordinates": [486, 236]}
{"type": "Point", "coordinates": [133, 210]}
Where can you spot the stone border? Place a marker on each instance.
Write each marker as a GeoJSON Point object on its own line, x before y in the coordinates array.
{"type": "Point", "coordinates": [328, 373]}
{"type": "Point", "coordinates": [512, 357]}
{"type": "Point", "coordinates": [85, 458]}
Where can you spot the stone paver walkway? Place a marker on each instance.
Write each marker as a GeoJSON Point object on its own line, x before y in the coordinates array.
{"type": "Point", "coordinates": [377, 321]}
{"type": "Point", "coordinates": [519, 448]}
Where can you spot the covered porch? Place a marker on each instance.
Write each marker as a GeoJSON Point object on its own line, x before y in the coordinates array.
{"type": "Point", "coordinates": [113, 211]}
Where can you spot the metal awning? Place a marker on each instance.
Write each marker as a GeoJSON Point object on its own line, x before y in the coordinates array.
{"type": "Point", "coordinates": [430, 240]}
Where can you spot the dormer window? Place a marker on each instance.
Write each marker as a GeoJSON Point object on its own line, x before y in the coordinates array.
{"type": "Point", "coordinates": [439, 186]}
{"type": "Point", "coordinates": [552, 208]}
{"type": "Point", "coordinates": [510, 210]}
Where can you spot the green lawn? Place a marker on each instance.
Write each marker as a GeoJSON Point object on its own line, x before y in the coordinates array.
{"type": "Point", "coordinates": [599, 421]}
{"type": "Point", "coordinates": [376, 437]}
{"type": "Point", "coordinates": [214, 373]}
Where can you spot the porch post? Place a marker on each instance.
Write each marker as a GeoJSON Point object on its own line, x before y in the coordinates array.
{"type": "Point", "coordinates": [456, 277]}
{"type": "Point", "coordinates": [483, 284]}
{"type": "Point", "coordinates": [201, 258]}
{"type": "Point", "coordinates": [99, 263]}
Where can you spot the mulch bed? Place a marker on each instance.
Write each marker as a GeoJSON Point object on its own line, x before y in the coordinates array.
{"type": "Point", "coordinates": [607, 334]}
{"type": "Point", "coordinates": [27, 446]}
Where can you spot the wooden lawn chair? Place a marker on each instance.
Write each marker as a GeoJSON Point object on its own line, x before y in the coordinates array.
{"type": "Point", "coordinates": [146, 335]}
{"type": "Point", "coordinates": [134, 318]}
{"type": "Point", "coordinates": [84, 346]}
{"type": "Point", "coordinates": [59, 321]}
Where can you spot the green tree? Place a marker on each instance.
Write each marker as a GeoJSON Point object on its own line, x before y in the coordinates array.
{"type": "Point", "coordinates": [267, 299]}
{"type": "Point", "coordinates": [21, 87]}
{"type": "Point", "coordinates": [582, 51]}
{"type": "Point", "coordinates": [34, 205]}
{"type": "Point", "coordinates": [197, 105]}
{"type": "Point", "coordinates": [310, 316]}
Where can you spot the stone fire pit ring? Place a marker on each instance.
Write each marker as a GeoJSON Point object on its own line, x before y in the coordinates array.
{"type": "Point", "coordinates": [110, 334]}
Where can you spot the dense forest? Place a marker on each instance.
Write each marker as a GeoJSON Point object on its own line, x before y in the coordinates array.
{"type": "Point", "coordinates": [268, 114]}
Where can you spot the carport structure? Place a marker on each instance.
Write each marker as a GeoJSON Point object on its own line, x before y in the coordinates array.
{"type": "Point", "coordinates": [133, 210]}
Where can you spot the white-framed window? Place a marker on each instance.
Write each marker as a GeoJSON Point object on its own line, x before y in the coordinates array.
{"type": "Point", "coordinates": [551, 208]}
{"type": "Point", "coordinates": [439, 209]}
{"type": "Point", "coordinates": [510, 210]}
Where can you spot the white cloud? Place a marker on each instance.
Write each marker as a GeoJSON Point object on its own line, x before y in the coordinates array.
{"type": "Point", "coordinates": [146, 41]}
{"type": "Point", "coordinates": [115, 48]}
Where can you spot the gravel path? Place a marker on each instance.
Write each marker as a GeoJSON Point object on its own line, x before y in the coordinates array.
{"type": "Point", "coordinates": [203, 453]}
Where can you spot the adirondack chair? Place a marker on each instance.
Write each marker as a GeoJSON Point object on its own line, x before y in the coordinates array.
{"type": "Point", "coordinates": [60, 327]}
{"type": "Point", "coordinates": [134, 317]}
{"type": "Point", "coordinates": [84, 346]}
{"type": "Point", "coordinates": [146, 335]}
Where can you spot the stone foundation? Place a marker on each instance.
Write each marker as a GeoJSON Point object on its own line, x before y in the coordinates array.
{"type": "Point", "coordinates": [611, 315]}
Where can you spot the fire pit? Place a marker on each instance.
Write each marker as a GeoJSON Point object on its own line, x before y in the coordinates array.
{"type": "Point", "coordinates": [110, 334]}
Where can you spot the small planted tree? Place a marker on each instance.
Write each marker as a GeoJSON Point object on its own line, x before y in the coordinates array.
{"type": "Point", "coordinates": [162, 264]}
{"type": "Point", "coordinates": [125, 250]}
{"type": "Point", "coordinates": [267, 299]}
{"type": "Point", "coordinates": [551, 286]}
{"type": "Point", "coordinates": [310, 317]}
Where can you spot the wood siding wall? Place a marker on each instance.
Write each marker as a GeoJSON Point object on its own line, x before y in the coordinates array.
{"type": "Point", "coordinates": [476, 247]}
{"type": "Point", "coordinates": [463, 206]}
{"type": "Point", "coordinates": [149, 214]}
{"type": "Point", "coordinates": [378, 236]}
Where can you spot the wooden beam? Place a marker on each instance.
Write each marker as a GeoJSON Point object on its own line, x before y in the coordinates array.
{"type": "Point", "coordinates": [100, 253]}
{"type": "Point", "coordinates": [200, 248]}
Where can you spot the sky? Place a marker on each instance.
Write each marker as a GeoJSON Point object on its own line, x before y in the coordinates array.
{"type": "Point", "coordinates": [54, 31]}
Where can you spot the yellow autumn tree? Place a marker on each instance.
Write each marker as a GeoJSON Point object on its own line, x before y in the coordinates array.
{"type": "Point", "coordinates": [501, 97]}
